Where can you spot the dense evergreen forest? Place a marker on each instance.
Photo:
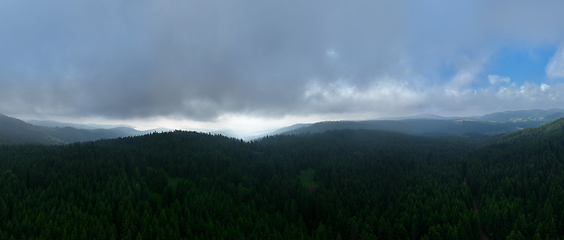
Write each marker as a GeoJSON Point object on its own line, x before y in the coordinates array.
{"type": "Point", "coordinates": [340, 184]}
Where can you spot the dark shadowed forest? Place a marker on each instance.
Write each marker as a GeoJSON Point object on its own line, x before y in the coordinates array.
{"type": "Point", "coordinates": [339, 184]}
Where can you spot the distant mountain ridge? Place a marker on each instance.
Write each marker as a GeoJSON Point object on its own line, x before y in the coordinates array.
{"type": "Point", "coordinates": [49, 123]}
{"type": "Point", "coordinates": [292, 127]}
{"type": "Point", "coordinates": [554, 116]}
{"type": "Point", "coordinates": [520, 115]}
{"type": "Point", "coordinates": [424, 116]}
{"type": "Point", "coordinates": [419, 126]}
{"type": "Point", "coordinates": [16, 131]}
{"type": "Point", "coordinates": [431, 124]}
{"type": "Point", "coordinates": [121, 128]}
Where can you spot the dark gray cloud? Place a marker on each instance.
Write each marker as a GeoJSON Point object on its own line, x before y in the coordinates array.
{"type": "Point", "coordinates": [200, 60]}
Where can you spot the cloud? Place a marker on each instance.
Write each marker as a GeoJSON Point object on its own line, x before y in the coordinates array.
{"type": "Point", "coordinates": [204, 60]}
{"type": "Point", "coordinates": [522, 20]}
{"type": "Point", "coordinates": [384, 96]}
{"type": "Point", "coordinates": [544, 87]}
{"type": "Point", "coordinates": [494, 79]}
{"type": "Point", "coordinates": [462, 80]}
{"type": "Point", "coordinates": [195, 59]}
{"type": "Point", "coordinates": [555, 67]}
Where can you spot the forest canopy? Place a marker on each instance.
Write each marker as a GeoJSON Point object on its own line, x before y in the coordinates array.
{"type": "Point", "coordinates": [340, 184]}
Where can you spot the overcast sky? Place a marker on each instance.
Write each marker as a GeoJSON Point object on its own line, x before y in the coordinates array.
{"type": "Point", "coordinates": [248, 66]}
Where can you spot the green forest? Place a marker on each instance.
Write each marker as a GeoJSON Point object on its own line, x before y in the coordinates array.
{"type": "Point", "coordinates": [338, 184]}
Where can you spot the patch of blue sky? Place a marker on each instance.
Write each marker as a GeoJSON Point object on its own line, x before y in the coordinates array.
{"type": "Point", "coordinates": [521, 64]}
{"type": "Point", "coordinates": [447, 70]}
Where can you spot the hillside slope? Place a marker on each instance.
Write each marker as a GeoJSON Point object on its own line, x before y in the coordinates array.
{"type": "Point", "coordinates": [516, 178]}
{"type": "Point", "coordinates": [431, 127]}
{"type": "Point", "coordinates": [520, 115]}
{"type": "Point", "coordinates": [16, 131]}
{"type": "Point", "coordinates": [554, 129]}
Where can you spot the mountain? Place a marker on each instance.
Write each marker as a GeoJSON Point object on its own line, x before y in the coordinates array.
{"type": "Point", "coordinates": [419, 126]}
{"type": "Point", "coordinates": [13, 131]}
{"type": "Point", "coordinates": [520, 115]}
{"type": "Point", "coordinates": [430, 124]}
{"type": "Point", "coordinates": [424, 116]}
{"type": "Point", "coordinates": [267, 132]}
{"type": "Point", "coordinates": [554, 129]}
{"type": "Point", "coordinates": [291, 128]}
{"type": "Point", "coordinates": [554, 116]}
{"type": "Point", "coordinates": [129, 131]}
{"type": "Point", "coordinates": [121, 129]}
{"type": "Point", "coordinates": [49, 123]}
{"type": "Point", "coordinates": [303, 127]}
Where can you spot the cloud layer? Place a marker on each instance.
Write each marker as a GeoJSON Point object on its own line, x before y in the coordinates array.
{"type": "Point", "coordinates": [201, 60]}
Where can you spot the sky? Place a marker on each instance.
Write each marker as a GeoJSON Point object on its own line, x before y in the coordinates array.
{"type": "Point", "coordinates": [250, 66]}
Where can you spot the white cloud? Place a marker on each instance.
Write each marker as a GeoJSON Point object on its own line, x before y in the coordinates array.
{"type": "Point", "coordinates": [555, 67]}
{"type": "Point", "coordinates": [382, 96]}
{"type": "Point", "coordinates": [466, 75]}
{"type": "Point", "coordinates": [544, 87]}
{"type": "Point", "coordinates": [493, 79]}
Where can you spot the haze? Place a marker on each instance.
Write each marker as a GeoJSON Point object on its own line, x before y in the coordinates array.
{"type": "Point", "coordinates": [244, 67]}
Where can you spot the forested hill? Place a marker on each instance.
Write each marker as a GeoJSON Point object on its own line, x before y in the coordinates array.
{"type": "Point", "coordinates": [518, 180]}
{"type": "Point", "coordinates": [429, 127]}
{"type": "Point", "coordinates": [522, 115]}
{"type": "Point", "coordinates": [434, 125]}
{"type": "Point", "coordinates": [16, 131]}
{"type": "Point", "coordinates": [549, 131]}
{"type": "Point", "coordinates": [340, 184]}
